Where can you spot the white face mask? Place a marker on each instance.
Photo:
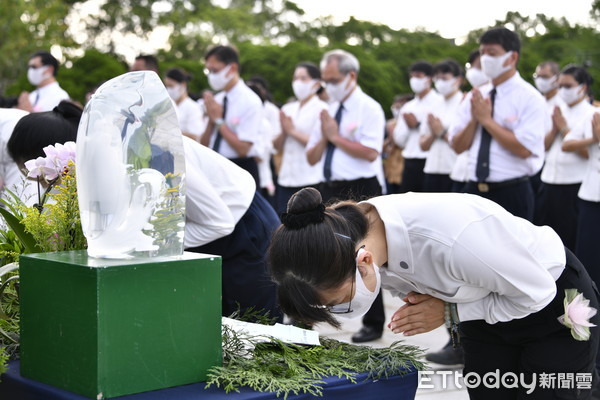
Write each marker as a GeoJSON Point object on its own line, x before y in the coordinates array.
{"type": "Point", "coordinates": [303, 89]}
{"type": "Point", "coordinates": [175, 92]}
{"type": "Point", "coordinates": [363, 297]}
{"type": "Point", "coordinates": [493, 67]}
{"type": "Point", "coordinates": [446, 87]}
{"type": "Point", "coordinates": [218, 80]}
{"type": "Point", "coordinates": [545, 85]}
{"type": "Point", "coordinates": [571, 95]}
{"type": "Point", "coordinates": [37, 75]}
{"type": "Point", "coordinates": [395, 111]}
{"type": "Point", "coordinates": [476, 77]}
{"type": "Point", "coordinates": [339, 91]}
{"type": "Point", "coordinates": [418, 85]}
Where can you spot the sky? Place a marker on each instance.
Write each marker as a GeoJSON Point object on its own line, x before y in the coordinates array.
{"type": "Point", "coordinates": [451, 18]}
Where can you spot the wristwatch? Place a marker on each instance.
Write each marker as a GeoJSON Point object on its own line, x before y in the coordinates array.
{"type": "Point", "coordinates": [219, 122]}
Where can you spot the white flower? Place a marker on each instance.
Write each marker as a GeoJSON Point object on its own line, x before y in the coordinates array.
{"type": "Point", "coordinates": [577, 314]}
{"type": "Point", "coordinates": [41, 168]}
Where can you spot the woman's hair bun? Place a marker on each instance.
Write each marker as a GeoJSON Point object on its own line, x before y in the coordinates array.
{"type": "Point", "coordinates": [69, 110]}
{"type": "Point", "coordinates": [305, 207]}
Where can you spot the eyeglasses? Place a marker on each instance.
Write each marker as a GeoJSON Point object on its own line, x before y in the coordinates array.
{"type": "Point", "coordinates": [346, 308]}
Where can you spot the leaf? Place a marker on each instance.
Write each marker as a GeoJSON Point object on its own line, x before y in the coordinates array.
{"type": "Point", "coordinates": [25, 237]}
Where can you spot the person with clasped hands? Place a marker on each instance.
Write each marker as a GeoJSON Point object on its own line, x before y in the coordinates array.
{"type": "Point", "coordinates": [235, 113]}
{"type": "Point", "coordinates": [453, 258]}
{"type": "Point", "coordinates": [500, 124]}
{"type": "Point", "coordinates": [41, 73]}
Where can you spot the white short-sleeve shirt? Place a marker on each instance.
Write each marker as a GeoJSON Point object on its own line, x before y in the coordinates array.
{"type": "Point", "coordinates": [244, 116]}
{"type": "Point", "coordinates": [47, 97]}
{"type": "Point", "coordinates": [441, 157]}
{"type": "Point", "coordinates": [408, 138]}
{"type": "Point", "coordinates": [521, 109]}
{"type": "Point", "coordinates": [590, 186]}
{"type": "Point", "coordinates": [295, 170]}
{"type": "Point", "coordinates": [191, 117]}
{"type": "Point", "coordinates": [363, 121]}
{"type": "Point", "coordinates": [465, 249]}
{"type": "Point", "coordinates": [218, 194]}
{"type": "Point", "coordinates": [562, 167]}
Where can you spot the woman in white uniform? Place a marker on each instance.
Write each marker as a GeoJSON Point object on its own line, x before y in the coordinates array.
{"type": "Point", "coordinates": [192, 120]}
{"type": "Point", "coordinates": [454, 258]}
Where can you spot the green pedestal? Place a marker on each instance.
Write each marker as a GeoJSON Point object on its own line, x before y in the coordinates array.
{"type": "Point", "coordinates": [107, 328]}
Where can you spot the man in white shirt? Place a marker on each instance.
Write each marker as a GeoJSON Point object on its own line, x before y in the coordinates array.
{"type": "Point", "coordinates": [41, 73]}
{"type": "Point", "coordinates": [413, 118]}
{"type": "Point", "coordinates": [235, 113]}
{"type": "Point", "coordinates": [434, 131]}
{"type": "Point", "coordinates": [500, 124]}
{"type": "Point", "coordinates": [350, 144]}
{"type": "Point", "coordinates": [226, 216]}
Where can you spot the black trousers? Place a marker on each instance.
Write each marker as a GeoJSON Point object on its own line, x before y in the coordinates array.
{"type": "Point", "coordinates": [537, 344]}
{"type": "Point", "coordinates": [588, 237]}
{"type": "Point", "coordinates": [437, 183]}
{"type": "Point", "coordinates": [358, 190]}
{"type": "Point", "coordinates": [246, 279]}
{"type": "Point", "coordinates": [517, 199]}
{"type": "Point", "coordinates": [557, 207]}
{"type": "Point", "coordinates": [413, 176]}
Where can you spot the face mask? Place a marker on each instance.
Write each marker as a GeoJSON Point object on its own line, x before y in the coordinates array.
{"type": "Point", "coordinates": [395, 112]}
{"type": "Point", "coordinates": [545, 85]}
{"type": "Point", "coordinates": [218, 80]}
{"type": "Point", "coordinates": [339, 91]}
{"type": "Point", "coordinates": [445, 87]}
{"type": "Point", "coordinates": [303, 89]}
{"type": "Point", "coordinates": [493, 67]}
{"type": "Point", "coordinates": [418, 85]}
{"type": "Point", "coordinates": [37, 75]}
{"type": "Point", "coordinates": [570, 95]}
{"type": "Point", "coordinates": [363, 297]}
{"type": "Point", "coordinates": [175, 92]}
{"type": "Point", "coordinates": [476, 77]}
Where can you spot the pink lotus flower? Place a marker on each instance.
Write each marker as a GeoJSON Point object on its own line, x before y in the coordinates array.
{"type": "Point", "coordinates": [577, 314]}
{"type": "Point", "coordinates": [352, 127]}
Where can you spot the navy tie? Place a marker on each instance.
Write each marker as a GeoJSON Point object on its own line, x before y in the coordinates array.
{"type": "Point", "coordinates": [218, 138]}
{"type": "Point", "coordinates": [331, 147]}
{"type": "Point", "coordinates": [482, 170]}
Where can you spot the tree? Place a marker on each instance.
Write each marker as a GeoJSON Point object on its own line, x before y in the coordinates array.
{"type": "Point", "coordinates": [27, 26]}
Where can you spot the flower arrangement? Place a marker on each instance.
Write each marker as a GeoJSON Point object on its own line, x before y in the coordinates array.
{"type": "Point", "coordinates": [52, 224]}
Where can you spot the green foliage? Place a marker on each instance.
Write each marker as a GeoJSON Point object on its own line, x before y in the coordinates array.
{"type": "Point", "coordinates": [284, 368]}
{"type": "Point", "coordinates": [9, 313]}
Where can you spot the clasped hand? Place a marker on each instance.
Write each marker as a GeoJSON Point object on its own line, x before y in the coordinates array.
{"type": "Point", "coordinates": [213, 109]}
{"type": "Point", "coordinates": [329, 127]}
{"type": "Point", "coordinates": [481, 108]}
{"type": "Point", "coordinates": [421, 313]}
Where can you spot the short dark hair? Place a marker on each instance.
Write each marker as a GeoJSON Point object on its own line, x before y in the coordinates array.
{"type": "Point", "coordinates": [35, 131]}
{"type": "Point", "coordinates": [448, 66]}
{"type": "Point", "coordinates": [473, 55]}
{"type": "Point", "coordinates": [314, 250]}
{"type": "Point", "coordinates": [422, 66]}
{"type": "Point", "coordinates": [179, 75]}
{"type": "Point", "coordinates": [150, 61]}
{"type": "Point", "coordinates": [225, 54]}
{"type": "Point", "coordinates": [47, 59]}
{"type": "Point", "coordinates": [580, 74]}
{"type": "Point", "coordinates": [506, 38]}
{"type": "Point", "coordinates": [311, 68]}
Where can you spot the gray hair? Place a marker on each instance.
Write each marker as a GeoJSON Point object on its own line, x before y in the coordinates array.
{"type": "Point", "coordinates": [554, 67]}
{"type": "Point", "coordinates": [347, 62]}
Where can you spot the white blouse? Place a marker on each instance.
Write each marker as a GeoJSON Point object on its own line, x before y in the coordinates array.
{"type": "Point", "coordinates": [590, 186]}
{"type": "Point", "coordinates": [442, 157]}
{"type": "Point", "coordinates": [468, 250]}
{"type": "Point", "coordinates": [191, 117]}
{"type": "Point", "coordinates": [295, 170]}
{"type": "Point", "coordinates": [562, 167]}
